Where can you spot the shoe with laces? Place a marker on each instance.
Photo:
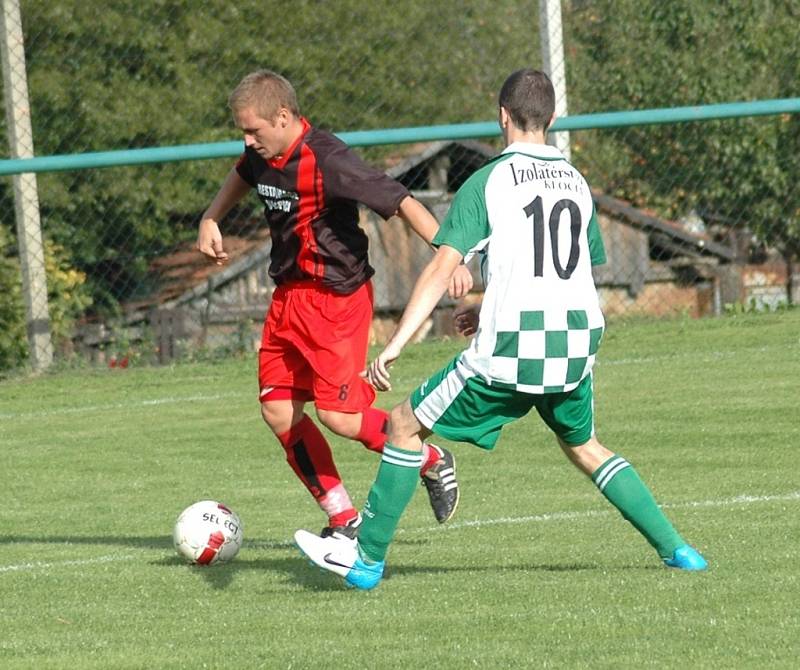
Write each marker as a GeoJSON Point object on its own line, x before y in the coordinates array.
{"type": "Point", "coordinates": [348, 531]}
{"type": "Point", "coordinates": [440, 481]}
{"type": "Point", "coordinates": [686, 558]}
{"type": "Point", "coordinates": [340, 556]}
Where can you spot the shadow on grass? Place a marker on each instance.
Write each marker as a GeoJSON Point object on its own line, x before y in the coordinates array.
{"type": "Point", "coordinates": [313, 578]}
{"type": "Point", "coordinates": [294, 566]}
{"type": "Point", "coordinates": [151, 542]}
{"type": "Point", "coordinates": [220, 576]}
{"type": "Point", "coordinates": [489, 567]}
{"type": "Point", "coordinates": [309, 577]}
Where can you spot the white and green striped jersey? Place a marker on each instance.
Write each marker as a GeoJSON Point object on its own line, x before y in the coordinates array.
{"type": "Point", "coordinates": [529, 214]}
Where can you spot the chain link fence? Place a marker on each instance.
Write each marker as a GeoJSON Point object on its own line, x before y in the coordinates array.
{"type": "Point", "coordinates": [697, 217]}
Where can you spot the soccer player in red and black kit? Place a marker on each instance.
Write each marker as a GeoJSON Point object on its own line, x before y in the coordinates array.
{"type": "Point", "coordinates": [315, 337]}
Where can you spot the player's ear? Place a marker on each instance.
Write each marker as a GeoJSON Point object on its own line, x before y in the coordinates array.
{"type": "Point", "coordinates": [282, 118]}
{"type": "Point", "coordinates": [503, 117]}
{"type": "Point", "coordinates": [550, 122]}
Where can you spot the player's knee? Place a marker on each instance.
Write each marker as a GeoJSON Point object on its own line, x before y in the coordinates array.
{"type": "Point", "coordinates": [587, 456]}
{"type": "Point", "coordinates": [329, 419]}
{"type": "Point", "coordinates": [402, 422]}
{"type": "Point", "coordinates": [270, 414]}
{"type": "Point", "coordinates": [282, 408]}
{"type": "Point", "coordinates": [279, 416]}
{"type": "Point", "coordinates": [342, 423]}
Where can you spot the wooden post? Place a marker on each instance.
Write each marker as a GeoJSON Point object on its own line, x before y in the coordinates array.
{"type": "Point", "coordinates": [26, 195]}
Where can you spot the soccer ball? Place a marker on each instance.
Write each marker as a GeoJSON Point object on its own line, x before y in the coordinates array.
{"type": "Point", "coordinates": [207, 532]}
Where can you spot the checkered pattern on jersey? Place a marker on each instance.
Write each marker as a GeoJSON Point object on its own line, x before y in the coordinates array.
{"type": "Point", "coordinates": [550, 353]}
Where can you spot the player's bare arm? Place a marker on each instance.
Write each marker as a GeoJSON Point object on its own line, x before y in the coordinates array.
{"type": "Point", "coordinates": [428, 290]}
{"type": "Point", "coordinates": [422, 222]}
{"type": "Point", "coordinates": [417, 216]}
{"type": "Point", "coordinates": [209, 237]}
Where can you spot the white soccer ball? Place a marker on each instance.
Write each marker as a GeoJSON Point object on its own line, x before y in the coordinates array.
{"type": "Point", "coordinates": [207, 532]}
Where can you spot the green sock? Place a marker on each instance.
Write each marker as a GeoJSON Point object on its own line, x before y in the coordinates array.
{"type": "Point", "coordinates": [394, 486]}
{"type": "Point", "coordinates": [622, 487]}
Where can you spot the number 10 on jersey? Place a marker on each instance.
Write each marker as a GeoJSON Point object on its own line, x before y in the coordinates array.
{"type": "Point", "coordinates": [535, 210]}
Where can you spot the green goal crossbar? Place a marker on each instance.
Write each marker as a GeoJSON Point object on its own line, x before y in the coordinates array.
{"type": "Point", "coordinates": [187, 152]}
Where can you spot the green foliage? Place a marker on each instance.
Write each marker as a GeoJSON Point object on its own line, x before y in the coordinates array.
{"type": "Point", "coordinates": [67, 294]}
{"type": "Point", "coordinates": [631, 55]}
{"type": "Point", "coordinates": [106, 76]}
{"type": "Point", "coordinates": [118, 75]}
{"type": "Point", "coordinates": [13, 347]}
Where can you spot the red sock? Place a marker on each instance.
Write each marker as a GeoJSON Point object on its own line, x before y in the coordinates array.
{"type": "Point", "coordinates": [431, 456]}
{"type": "Point", "coordinates": [374, 426]}
{"type": "Point", "coordinates": [309, 455]}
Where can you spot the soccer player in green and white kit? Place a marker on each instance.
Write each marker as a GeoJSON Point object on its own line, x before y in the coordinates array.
{"type": "Point", "coordinates": [529, 214]}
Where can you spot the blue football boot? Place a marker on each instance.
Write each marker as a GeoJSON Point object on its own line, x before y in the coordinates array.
{"type": "Point", "coordinates": [339, 554]}
{"type": "Point", "coordinates": [686, 558]}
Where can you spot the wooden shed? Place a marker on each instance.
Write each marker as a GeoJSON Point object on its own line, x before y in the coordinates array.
{"type": "Point", "coordinates": [655, 266]}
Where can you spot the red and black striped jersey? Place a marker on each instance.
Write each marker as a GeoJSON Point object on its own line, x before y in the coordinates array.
{"type": "Point", "coordinates": [310, 197]}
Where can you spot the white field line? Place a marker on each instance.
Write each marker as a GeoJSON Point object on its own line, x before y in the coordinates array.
{"type": "Point", "coordinates": [561, 516]}
{"type": "Point", "coordinates": [538, 518]}
{"type": "Point", "coordinates": [38, 565]}
{"type": "Point", "coordinates": [86, 409]}
{"type": "Point", "coordinates": [702, 357]}
{"type": "Point", "coordinates": [705, 357]}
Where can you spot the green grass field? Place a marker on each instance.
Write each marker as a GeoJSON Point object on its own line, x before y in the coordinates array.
{"type": "Point", "coordinates": [537, 570]}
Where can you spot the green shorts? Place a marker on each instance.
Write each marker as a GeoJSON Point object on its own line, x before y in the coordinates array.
{"type": "Point", "coordinates": [460, 406]}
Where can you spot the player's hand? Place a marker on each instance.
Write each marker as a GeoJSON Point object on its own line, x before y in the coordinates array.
{"type": "Point", "coordinates": [460, 283]}
{"type": "Point", "coordinates": [466, 319]}
{"type": "Point", "coordinates": [209, 241]}
{"type": "Point", "coordinates": [377, 373]}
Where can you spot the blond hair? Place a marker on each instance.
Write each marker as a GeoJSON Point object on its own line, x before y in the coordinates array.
{"type": "Point", "coordinates": [266, 92]}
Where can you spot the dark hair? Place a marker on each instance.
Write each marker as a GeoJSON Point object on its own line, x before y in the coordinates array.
{"type": "Point", "coordinates": [528, 97]}
{"type": "Point", "coordinates": [266, 92]}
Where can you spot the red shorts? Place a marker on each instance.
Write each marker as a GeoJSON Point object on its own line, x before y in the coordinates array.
{"type": "Point", "coordinates": [315, 343]}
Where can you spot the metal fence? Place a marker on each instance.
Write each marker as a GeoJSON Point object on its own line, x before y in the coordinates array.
{"type": "Point", "coordinates": [698, 216]}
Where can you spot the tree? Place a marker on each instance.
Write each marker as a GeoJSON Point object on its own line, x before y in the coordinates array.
{"type": "Point", "coordinates": [629, 55]}
{"type": "Point", "coordinates": [126, 75]}
{"type": "Point", "coordinates": [117, 75]}
{"type": "Point", "coordinates": [67, 294]}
